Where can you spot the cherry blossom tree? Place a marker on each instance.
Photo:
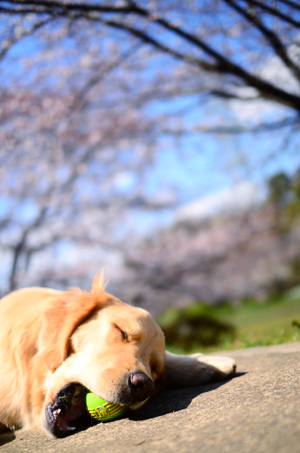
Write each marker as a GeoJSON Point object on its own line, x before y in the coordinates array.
{"type": "Point", "coordinates": [92, 92]}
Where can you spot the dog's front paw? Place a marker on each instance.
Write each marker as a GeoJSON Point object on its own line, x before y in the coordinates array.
{"type": "Point", "coordinates": [225, 366]}
{"type": "Point", "coordinates": [197, 369]}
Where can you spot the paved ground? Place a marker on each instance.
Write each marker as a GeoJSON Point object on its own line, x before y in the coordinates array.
{"type": "Point", "coordinates": [257, 411]}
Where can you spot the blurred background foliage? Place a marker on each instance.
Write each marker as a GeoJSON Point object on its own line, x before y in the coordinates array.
{"type": "Point", "coordinates": [247, 322]}
{"type": "Point", "coordinates": [232, 326]}
{"type": "Point", "coordinates": [159, 139]}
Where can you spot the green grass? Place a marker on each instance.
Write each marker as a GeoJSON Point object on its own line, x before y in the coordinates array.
{"type": "Point", "coordinates": [275, 320]}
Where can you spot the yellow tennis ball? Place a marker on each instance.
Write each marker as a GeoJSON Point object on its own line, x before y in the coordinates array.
{"type": "Point", "coordinates": [102, 410]}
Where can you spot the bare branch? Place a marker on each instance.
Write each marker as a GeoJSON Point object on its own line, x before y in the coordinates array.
{"type": "Point", "coordinates": [25, 33]}
{"type": "Point", "coordinates": [239, 129]}
{"type": "Point", "coordinates": [272, 37]}
{"type": "Point", "coordinates": [275, 12]}
{"type": "Point", "coordinates": [290, 3]}
{"type": "Point", "coordinates": [20, 246]}
{"type": "Point", "coordinates": [222, 65]}
{"type": "Point", "coordinates": [44, 6]}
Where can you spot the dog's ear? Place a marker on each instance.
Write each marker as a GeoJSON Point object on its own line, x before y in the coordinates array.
{"type": "Point", "coordinates": [67, 312]}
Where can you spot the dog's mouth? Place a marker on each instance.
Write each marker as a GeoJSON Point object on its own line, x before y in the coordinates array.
{"type": "Point", "coordinates": [68, 414]}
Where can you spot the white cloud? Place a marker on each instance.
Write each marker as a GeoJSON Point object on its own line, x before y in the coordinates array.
{"type": "Point", "coordinates": [237, 198]}
{"type": "Point", "coordinates": [275, 72]}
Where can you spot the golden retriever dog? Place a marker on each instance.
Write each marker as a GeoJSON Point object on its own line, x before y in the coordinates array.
{"type": "Point", "coordinates": [55, 346]}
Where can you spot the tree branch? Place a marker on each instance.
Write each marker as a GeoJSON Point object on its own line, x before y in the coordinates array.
{"type": "Point", "coordinates": [20, 246]}
{"type": "Point", "coordinates": [223, 65]}
{"type": "Point", "coordinates": [290, 3]}
{"type": "Point", "coordinates": [158, 45]}
{"type": "Point", "coordinates": [274, 12]}
{"type": "Point", "coordinates": [270, 36]}
{"type": "Point", "coordinates": [24, 34]}
{"type": "Point", "coordinates": [235, 130]}
{"type": "Point", "coordinates": [63, 7]}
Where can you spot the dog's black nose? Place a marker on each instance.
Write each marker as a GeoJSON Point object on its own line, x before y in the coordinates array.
{"type": "Point", "coordinates": [141, 386]}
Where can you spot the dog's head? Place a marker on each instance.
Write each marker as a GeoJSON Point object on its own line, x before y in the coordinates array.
{"type": "Point", "coordinates": [94, 341]}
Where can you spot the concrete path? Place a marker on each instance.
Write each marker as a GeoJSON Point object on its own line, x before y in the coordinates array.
{"type": "Point", "coordinates": [257, 411]}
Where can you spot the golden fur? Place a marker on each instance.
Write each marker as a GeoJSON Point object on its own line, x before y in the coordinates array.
{"type": "Point", "coordinates": [50, 339]}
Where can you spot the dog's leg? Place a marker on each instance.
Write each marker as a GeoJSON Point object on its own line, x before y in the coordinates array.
{"type": "Point", "coordinates": [197, 369]}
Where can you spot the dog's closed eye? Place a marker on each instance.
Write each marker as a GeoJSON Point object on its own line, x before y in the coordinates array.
{"type": "Point", "coordinates": [124, 335]}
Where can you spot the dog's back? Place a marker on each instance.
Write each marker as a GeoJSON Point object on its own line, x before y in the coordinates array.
{"type": "Point", "coordinates": [20, 325]}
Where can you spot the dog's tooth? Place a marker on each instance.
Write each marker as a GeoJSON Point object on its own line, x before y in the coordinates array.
{"type": "Point", "coordinates": [58, 411]}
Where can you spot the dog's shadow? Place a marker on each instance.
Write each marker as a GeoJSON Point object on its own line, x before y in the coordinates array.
{"type": "Point", "coordinates": [6, 437]}
{"type": "Point", "coordinates": [174, 400]}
